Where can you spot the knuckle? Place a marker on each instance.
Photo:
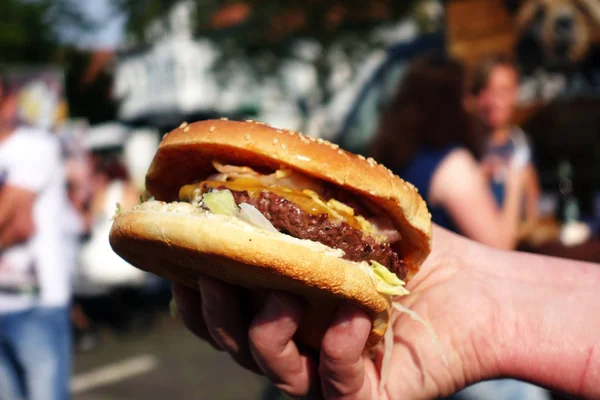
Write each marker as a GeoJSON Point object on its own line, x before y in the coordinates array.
{"type": "Point", "coordinates": [335, 355]}
{"type": "Point", "coordinates": [293, 390]}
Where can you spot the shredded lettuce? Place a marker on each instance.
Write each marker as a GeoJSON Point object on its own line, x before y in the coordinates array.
{"type": "Point", "coordinates": [221, 202]}
{"type": "Point", "coordinates": [387, 282]}
{"type": "Point", "coordinates": [388, 347]}
{"type": "Point", "coordinates": [399, 307]}
{"type": "Point", "coordinates": [118, 211]}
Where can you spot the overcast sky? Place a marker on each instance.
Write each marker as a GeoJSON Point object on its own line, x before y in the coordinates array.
{"type": "Point", "coordinates": [110, 26]}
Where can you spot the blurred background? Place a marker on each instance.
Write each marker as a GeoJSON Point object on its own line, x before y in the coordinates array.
{"type": "Point", "coordinates": [108, 78]}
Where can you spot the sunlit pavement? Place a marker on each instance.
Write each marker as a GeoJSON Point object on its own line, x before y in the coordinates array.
{"type": "Point", "coordinates": [167, 362]}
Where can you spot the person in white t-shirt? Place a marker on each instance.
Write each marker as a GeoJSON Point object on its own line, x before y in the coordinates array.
{"type": "Point", "coordinates": [35, 279]}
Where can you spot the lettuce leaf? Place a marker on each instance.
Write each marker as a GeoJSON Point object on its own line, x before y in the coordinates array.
{"type": "Point", "coordinates": [387, 282]}
{"type": "Point", "coordinates": [220, 202]}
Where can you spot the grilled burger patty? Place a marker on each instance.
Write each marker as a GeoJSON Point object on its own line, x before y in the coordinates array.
{"type": "Point", "coordinates": [290, 219]}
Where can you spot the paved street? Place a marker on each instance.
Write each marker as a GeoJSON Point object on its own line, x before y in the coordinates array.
{"type": "Point", "coordinates": [167, 362]}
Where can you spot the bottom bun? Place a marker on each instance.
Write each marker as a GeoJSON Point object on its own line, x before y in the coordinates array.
{"type": "Point", "coordinates": [180, 242]}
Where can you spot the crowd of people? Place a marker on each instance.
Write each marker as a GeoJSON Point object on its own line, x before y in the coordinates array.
{"type": "Point", "coordinates": [451, 135]}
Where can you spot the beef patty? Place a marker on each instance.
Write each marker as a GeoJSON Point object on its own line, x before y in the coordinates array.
{"type": "Point", "coordinates": [290, 219]}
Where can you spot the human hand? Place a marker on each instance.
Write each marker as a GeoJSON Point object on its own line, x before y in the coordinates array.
{"type": "Point", "coordinates": [19, 228]}
{"type": "Point", "coordinates": [491, 167]}
{"type": "Point", "coordinates": [453, 292]}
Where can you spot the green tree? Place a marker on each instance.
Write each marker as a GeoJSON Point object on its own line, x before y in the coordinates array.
{"type": "Point", "coordinates": [29, 29]}
{"type": "Point", "coordinates": [264, 30]}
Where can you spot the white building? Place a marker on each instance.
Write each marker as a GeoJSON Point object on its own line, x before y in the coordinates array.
{"type": "Point", "coordinates": [179, 76]}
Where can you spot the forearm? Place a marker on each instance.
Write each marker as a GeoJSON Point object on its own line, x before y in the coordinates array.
{"type": "Point", "coordinates": [548, 323]}
{"type": "Point", "coordinates": [511, 215]}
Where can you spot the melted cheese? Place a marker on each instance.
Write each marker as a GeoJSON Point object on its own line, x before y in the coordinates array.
{"type": "Point", "coordinates": [308, 201]}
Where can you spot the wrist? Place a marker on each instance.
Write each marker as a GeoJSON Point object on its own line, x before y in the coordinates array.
{"type": "Point", "coordinates": [547, 324]}
{"type": "Point", "coordinates": [468, 310]}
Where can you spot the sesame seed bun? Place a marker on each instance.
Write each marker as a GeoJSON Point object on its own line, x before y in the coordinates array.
{"type": "Point", "coordinates": [181, 248]}
{"type": "Point", "coordinates": [179, 242]}
{"type": "Point", "coordinates": [186, 154]}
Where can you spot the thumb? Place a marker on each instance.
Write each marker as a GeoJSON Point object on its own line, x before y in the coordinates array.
{"type": "Point", "coordinates": [342, 365]}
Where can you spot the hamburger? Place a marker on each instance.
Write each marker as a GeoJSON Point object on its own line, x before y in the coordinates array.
{"type": "Point", "coordinates": [271, 209]}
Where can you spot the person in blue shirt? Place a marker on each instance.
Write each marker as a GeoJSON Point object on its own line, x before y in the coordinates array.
{"type": "Point", "coordinates": [495, 89]}
{"type": "Point", "coordinates": [426, 136]}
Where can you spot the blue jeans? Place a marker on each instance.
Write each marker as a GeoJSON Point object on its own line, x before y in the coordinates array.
{"type": "Point", "coordinates": [35, 354]}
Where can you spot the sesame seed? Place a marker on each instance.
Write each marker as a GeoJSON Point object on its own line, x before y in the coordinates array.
{"type": "Point", "coordinates": [212, 128]}
{"type": "Point", "coordinates": [275, 141]}
{"type": "Point", "coordinates": [224, 119]}
{"type": "Point", "coordinates": [340, 152]}
{"type": "Point", "coordinates": [279, 131]}
{"type": "Point", "coordinates": [335, 146]}
{"type": "Point", "coordinates": [249, 120]}
{"type": "Point", "coordinates": [183, 125]}
{"type": "Point", "coordinates": [361, 157]}
{"type": "Point", "coordinates": [247, 136]}
{"type": "Point", "coordinates": [187, 128]}
{"type": "Point", "coordinates": [283, 146]}
{"type": "Point", "coordinates": [320, 141]}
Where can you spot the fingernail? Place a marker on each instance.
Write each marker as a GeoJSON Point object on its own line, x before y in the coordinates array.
{"type": "Point", "coordinates": [345, 315]}
{"type": "Point", "coordinates": [279, 304]}
{"type": "Point", "coordinates": [207, 292]}
{"type": "Point", "coordinates": [274, 305]}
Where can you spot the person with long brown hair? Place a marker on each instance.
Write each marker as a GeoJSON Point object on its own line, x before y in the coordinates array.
{"type": "Point", "coordinates": [426, 137]}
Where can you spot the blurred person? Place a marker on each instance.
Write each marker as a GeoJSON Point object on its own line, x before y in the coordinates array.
{"type": "Point", "coordinates": [426, 137]}
{"type": "Point", "coordinates": [102, 272]}
{"type": "Point", "coordinates": [35, 278]}
{"type": "Point", "coordinates": [495, 87]}
{"type": "Point", "coordinates": [77, 226]}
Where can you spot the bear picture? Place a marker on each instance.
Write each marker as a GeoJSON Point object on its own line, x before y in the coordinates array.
{"type": "Point", "coordinates": [557, 44]}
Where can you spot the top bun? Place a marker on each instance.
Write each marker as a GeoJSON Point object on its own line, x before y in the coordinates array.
{"type": "Point", "coordinates": [185, 155]}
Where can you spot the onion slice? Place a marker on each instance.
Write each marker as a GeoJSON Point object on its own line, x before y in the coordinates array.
{"type": "Point", "coordinates": [254, 217]}
{"type": "Point", "coordinates": [234, 169]}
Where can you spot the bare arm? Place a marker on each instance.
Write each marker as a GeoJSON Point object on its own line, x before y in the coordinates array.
{"type": "Point", "coordinates": [546, 324]}
{"type": "Point", "coordinates": [461, 189]}
{"type": "Point", "coordinates": [496, 314]}
{"type": "Point", "coordinates": [532, 194]}
{"type": "Point", "coordinates": [16, 215]}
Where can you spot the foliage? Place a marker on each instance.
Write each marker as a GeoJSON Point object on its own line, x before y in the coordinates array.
{"type": "Point", "coordinates": [266, 34]}
{"type": "Point", "coordinates": [28, 33]}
